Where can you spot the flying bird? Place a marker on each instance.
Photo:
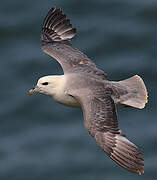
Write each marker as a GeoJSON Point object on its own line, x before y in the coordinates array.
{"type": "Point", "coordinates": [84, 85]}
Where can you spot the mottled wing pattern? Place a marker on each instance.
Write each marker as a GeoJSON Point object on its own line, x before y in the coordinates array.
{"type": "Point", "coordinates": [56, 34]}
{"type": "Point", "coordinates": [100, 119]}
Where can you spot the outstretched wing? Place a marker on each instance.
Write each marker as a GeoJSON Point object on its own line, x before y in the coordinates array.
{"type": "Point", "coordinates": [100, 119]}
{"type": "Point", "coordinates": [56, 34]}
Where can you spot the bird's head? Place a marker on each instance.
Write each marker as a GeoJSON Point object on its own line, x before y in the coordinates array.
{"type": "Point", "coordinates": [47, 85]}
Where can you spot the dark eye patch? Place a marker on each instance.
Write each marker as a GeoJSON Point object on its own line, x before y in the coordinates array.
{"type": "Point", "coordinates": [45, 83]}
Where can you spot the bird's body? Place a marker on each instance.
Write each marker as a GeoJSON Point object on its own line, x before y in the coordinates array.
{"type": "Point", "coordinates": [84, 85]}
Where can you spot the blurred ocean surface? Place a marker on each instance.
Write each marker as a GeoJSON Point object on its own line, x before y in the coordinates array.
{"type": "Point", "coordinates": [43, 140]}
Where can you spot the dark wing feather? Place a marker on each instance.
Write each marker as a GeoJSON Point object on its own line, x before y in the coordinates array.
{"type": "Point", "coordinates": [56, 34]}
{"type": "Point", "coordinates": [100, 119]}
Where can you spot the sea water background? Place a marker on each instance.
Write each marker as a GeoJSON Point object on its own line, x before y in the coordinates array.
{"type": "Point", "coordinates": [43, 140]}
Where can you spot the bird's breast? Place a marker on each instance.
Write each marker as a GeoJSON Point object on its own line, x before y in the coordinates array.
{"type": "Point", "coordinates": [66, 99]}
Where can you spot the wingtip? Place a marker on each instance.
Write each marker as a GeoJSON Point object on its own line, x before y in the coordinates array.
{"type": "Point", "coordinates": [127, 155]}
{"type": "Point", "coordinates": [56, 27]}
{"type": "Point", "coordinates": [140, 172]}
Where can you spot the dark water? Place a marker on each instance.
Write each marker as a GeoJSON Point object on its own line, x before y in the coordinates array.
{"type": "Point", "coordinates": [43, 140]}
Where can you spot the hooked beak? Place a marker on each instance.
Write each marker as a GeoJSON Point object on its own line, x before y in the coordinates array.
{"type": "Point", "coordinates": [33, 90]}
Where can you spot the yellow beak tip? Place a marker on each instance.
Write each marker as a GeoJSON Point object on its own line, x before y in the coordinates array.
{"type": "Point", "coordinates": [31, 91]}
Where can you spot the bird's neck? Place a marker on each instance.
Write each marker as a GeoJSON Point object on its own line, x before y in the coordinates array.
{"type": "Point", "coordinates": [59, 92]}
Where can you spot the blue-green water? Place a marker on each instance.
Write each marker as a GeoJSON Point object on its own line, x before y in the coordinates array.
{"type": "Point", "coordinates": [43, 140]}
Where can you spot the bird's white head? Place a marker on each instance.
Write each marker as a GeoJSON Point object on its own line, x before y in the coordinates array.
{"type": "Point", "coordinates": [48, 85]}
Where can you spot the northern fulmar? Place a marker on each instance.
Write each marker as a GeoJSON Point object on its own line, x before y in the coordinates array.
{"type": "Point", "coordinates": [84, 85]}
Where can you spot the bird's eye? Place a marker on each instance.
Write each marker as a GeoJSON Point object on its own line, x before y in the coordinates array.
{"type": "Point", "coordinates": [45, 83]}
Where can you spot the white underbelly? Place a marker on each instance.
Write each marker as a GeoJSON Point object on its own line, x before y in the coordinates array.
{"type": "Point", "coordinates": [66, 100]}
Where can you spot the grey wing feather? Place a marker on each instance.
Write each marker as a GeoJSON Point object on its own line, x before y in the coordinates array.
{"type": "Point", "coordinates": [100, 119]}
{"type": "Point", "coordinates": [56, 34]}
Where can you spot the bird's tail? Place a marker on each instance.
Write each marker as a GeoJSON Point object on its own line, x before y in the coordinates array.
{"type": "Point", "coordinates": [56, 27]}
{"type": "Point", "coordinates": [130, 92]}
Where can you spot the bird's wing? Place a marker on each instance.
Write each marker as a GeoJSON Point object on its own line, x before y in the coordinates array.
{"type": "Point", "coordinates": [55, 37]}
{"type": "Point", "coordinates": [100, 119]}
